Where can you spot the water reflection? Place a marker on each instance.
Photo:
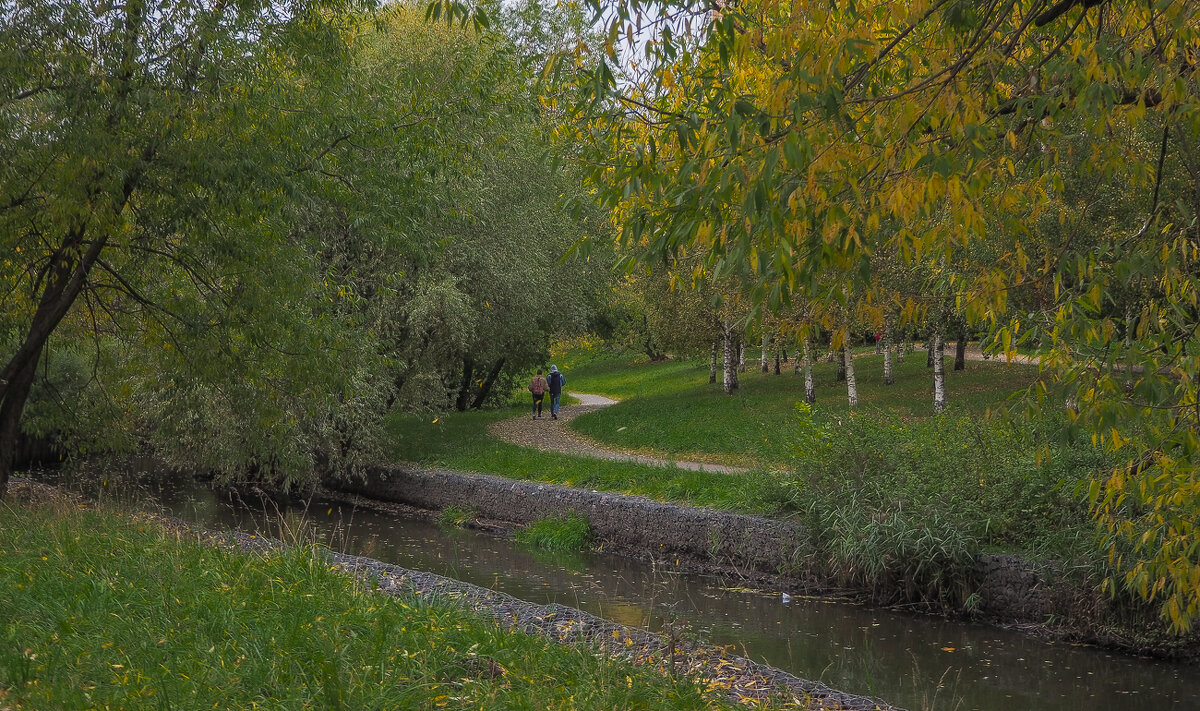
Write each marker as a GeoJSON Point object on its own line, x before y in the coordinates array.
{"type": "Point", "coordinates": [913, 662]}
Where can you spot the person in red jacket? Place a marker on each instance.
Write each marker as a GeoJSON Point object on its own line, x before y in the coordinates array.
{"type": "Point", "coordinates": [537, 386]}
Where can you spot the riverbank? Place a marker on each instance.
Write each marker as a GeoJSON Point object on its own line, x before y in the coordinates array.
{"type": "Point", "coordinates": [147, 601]}
{"type": "Point", "coordinates": [1007, 590]}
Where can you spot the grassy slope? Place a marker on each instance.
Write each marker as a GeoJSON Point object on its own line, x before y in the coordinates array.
{"type": "Point", "coordinates": [103, 612]}
{"type": "Point", "coordinates": [671, 409]}
{"type": "Point", "coordinates": [460, 441]}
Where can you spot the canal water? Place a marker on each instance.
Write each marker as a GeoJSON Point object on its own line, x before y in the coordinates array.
{"type": "Point", "coordinates": [911, 661]}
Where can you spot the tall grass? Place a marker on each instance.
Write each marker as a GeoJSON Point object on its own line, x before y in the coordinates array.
{"type": "Point", "coordinates": [104, 612]}
{"type": "Point", "coordinates": [903, 508]}
{"type": "Point", "coordinates": [565, 534]}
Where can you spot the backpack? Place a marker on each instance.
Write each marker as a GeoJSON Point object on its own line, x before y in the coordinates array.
{"type": "Point", "coordinates": [539, 386]}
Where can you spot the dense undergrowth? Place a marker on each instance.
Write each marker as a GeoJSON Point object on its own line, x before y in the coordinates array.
{"type": "Point", "coordinates": [103, 611]}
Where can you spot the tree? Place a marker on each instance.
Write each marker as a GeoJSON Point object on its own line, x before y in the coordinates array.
{"type": "Point", "coordinates": [125, 127]}
{"type": "Point", "coordinates": [775, 139]}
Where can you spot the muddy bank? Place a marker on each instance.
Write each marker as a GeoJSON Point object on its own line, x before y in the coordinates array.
{"type": "Point", "coordinates": [1011, 591]}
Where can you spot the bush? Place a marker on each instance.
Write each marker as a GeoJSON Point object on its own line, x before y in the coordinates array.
{"type": "Point", "coordinates": [904, 507]}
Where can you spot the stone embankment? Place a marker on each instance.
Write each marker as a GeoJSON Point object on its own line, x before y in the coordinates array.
{"type": "Point", "coordinates": [1009, 589]}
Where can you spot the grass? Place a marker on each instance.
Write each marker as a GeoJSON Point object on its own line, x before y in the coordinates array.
{"type": "Point", "coordinates": [560, 535]}
{"type": "Point", "coordinates": [460, 441]}
{"type": "Point", "coordinates": [103, 611]}
{"type": "Point", "coordinates": [671, 409]}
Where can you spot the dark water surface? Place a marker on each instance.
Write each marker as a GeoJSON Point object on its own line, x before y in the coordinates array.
{"type": "Point", "coordinates": [914, 662]}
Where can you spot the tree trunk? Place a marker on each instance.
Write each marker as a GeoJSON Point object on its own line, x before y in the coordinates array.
{"type": "Point", "coordinates": [66, 274]}
{"type": "Point", "coordinates": [464, 387]}
{"type": "Point", "coordinates": [889, 377]}
{"type": "Point", "coordinates": [900, 347]}
{"type": "Point", "coordinates": [766, 343]}
{"type": "Point", "coordinates": [712, 363]}
{"type": "Point", "coordinates": [732, 348]}
{"type": "Point", "coordinates": [1128, 350]}
{"type": "Point", "coordinates": [851, 384]}
{"type": "Point", "coordinates": [486, 388]}
{"type": "Point", "coordinates": [741, 355]}
{"type": "Point", "coordinates": [810, 387]}
{"type": "Point", "coordinates": [939, 374]}
{"type": "Point", "coordinates": [16, 391]}
{"type": "Point", "coordinates": [841, 370]}
{"type": "Point", "coordinates": [960, 350]}
{"type": "Point", "coordinates": [777, 362]}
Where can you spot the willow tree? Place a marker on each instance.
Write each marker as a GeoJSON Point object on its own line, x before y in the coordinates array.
{"type": "Point", "coordinates": [779, 138]}
{"type": "Point", "coordinates": [125, 127]}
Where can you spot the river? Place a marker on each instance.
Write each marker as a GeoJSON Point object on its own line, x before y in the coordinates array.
{"type": "Point", "coordinates": [913, 661]}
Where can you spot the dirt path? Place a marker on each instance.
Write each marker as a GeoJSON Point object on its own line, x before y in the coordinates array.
{"type": "Point", "coordinates": [551, 435]}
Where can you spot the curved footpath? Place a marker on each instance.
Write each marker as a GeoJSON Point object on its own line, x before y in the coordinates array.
{"type": "Point", "coordinates": [551, 435]}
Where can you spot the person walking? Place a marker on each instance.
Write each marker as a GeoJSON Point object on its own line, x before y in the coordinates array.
{"type": "Point", "coordinates": [556, 382]}
{"type": "Point", "coordinates": [537, 386]}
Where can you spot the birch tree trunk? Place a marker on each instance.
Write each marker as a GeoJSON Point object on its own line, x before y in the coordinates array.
{"type": "Point", "coordinates": [741, 355]}
{"type": "Point", "coordinates": [1128, 348]}
{"type": "Point", "coordinates": [732, 348]}
{"type": "Point", "coordinates": [766, 343]}
{"type": "Point", "coordinates": [810, 387]}
{"type": "Point", "coordinates": [939, 374]}
{"type": "Point", "coordinates": [712, 363]}
{"type": "Point", "coordinates": [888, 377]}
{"type": "Point", "coordinates": [851, 384]}
{"type": "Point", "coordinates": [900, 348]}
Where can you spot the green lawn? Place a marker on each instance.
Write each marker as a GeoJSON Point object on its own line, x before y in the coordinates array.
{"type": "Point", "coordinates": [671, 409]}
{"type": "Point", "coordinates": [460, 441]}
{"type": "Point", "coordinates": [103, 612]}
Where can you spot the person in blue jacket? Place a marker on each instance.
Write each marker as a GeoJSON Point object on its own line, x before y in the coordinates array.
{"type": "Point", "coordinates": [555, 384]}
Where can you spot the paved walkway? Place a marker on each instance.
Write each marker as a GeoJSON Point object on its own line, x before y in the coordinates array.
{"type": "Point", "coordinates": [555, 436]}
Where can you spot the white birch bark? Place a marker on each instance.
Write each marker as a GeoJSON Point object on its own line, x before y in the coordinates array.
{"type": "Point", "coordinates": [939, 375]}
{"type": "Point", "coordinates": [888, 377]}
{"type": "Point", "coordinates": [731, 360]}
{"type": "Point", "coordinates": [741, 355]}
{"type": "Point", "coordinates": [1128, 350]}
{"type": "Point", "coordinates": [851, 384]}
{"type": "Point", "coordinates": [766, 343]}
{"type": "Point", "coordinates": [900, 348]}
{"type": "Point", "coordinates": [810, 388]}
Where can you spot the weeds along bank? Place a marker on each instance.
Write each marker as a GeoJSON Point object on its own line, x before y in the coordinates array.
{"type": "Point", "coordinates": [1001, 587]}
{"type": "Point", "coordinates": [103, 610]}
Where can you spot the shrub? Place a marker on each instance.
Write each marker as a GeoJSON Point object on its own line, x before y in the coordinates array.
{"type": "Point", "coordinates": [904, 507]}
